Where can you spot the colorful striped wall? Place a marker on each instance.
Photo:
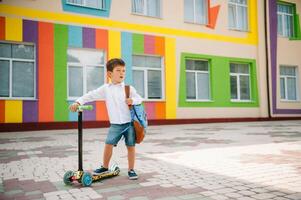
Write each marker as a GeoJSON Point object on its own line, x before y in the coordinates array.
{"type": "Point", "coordinates": [51, 42]}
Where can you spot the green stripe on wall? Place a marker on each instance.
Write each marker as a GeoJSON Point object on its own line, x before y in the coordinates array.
{"type": "Point", "coordinates": [138, 43]}
{"type": "Point", "coordinates": [60, 72]}
{"type": "Point", "coordinates": [219, 82]}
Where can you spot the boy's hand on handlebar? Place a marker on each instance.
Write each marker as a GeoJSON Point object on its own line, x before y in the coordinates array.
{"type": "Point", "coordinates": [73, 107]}
{"type": "Point", "coordinates": [129, 101]}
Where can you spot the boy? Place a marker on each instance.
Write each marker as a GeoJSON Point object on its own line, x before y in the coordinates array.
{"type": "Point", "coordinates": [118, 111]}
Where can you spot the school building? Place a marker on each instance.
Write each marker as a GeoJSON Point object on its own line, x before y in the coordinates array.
{"type": "Point", "coordinates": [191, 60]}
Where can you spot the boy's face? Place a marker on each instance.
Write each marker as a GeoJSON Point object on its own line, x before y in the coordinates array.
{"type": "Point", "coordinates": [118, 74]}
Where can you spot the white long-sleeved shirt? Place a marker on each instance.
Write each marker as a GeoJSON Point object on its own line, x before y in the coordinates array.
{"type": "Point", "coordinates": [114, 96]}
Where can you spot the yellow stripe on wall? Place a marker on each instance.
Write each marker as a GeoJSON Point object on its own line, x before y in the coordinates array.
{"type": "Point", "coordinates": [13, 111]}
{"type": "Point", "coordinates": [253, 35]}
{"type": "Point", "coordinates": [77, 19]}
{"type": "Point", "coordinates": [170, 77]}
{"type": "Point", "coordinates": [13, 29]}
{"type": "Point", "coordinates": [114, 44]}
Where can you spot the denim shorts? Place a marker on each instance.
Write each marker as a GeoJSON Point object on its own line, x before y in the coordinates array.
{"type": "Point", "coordinates": [116, 131]}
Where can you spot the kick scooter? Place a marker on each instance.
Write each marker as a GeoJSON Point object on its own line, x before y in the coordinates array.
{"type": "Point", "coordinates": [81, 176]}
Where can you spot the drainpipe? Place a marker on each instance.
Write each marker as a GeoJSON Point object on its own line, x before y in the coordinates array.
{"type": "Point", "coordinates": [267, 56]}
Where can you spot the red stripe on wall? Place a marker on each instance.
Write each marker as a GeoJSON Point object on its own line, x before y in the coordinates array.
{"type": "Point", "coordinates": [2, 28]}
{"type": "Point", "coordinates": [2, 111]}
{"type": "Point", "coordinates": [101, 111]}
{"type": "Point", "coordinates": [150, 109]}
{"type": "Point", "coordinates": [149, 44]}
{"type": "Point", "coordinates": [159, 46]}
{"type": "Point", "coordinates": [46, 72]}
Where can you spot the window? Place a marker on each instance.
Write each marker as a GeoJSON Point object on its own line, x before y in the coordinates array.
{"type": "Point", "coordinates": [285, 20]}
{"type": "Point", "coordinates": [197, 80]}
{"type": "Point", "coordinates": [17, 71]}
{"type": "Point", "coordinates": [196, 11]}
{"type": "Point", "coordinates": [288, 83]}
{"type": "Point", "coordinates": [147, 76]}
{"type": "Point", "coordinates": [97, 4]}
{"type": "Point", "coordinates": [147, 7]}
{"type": "Point", "coordinates": [86, 71]}
{"type": "Point", "coordinates": [240, 82]}
{"type": "Point", "coordinates": [238, 15]}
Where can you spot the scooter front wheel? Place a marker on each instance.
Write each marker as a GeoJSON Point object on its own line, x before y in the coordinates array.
{"type": "Point", "coordinates": [87, 179]}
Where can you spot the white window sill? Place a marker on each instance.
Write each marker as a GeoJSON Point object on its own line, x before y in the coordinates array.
{"type": "Point", "coordinates": [241, 101]}
{"type": "Point", "coordinates": [239, 30]}
{"type": "Point", "coordinates": [289, 101]}
{"type": "Point", "coordinates": [199, 100]}
{"type": "Point", "coordinates": [18, 99]}
{"type": "Point", "coordinates": [142, 15]}
{"type": "Point", "coordinates": [195, 23]}
{"type": "Point", "coordinates": [72, 98]}
{"type": "Point", "coordinates": [145, 100]}
{"type": "Point", "coordinates": [156, 100]}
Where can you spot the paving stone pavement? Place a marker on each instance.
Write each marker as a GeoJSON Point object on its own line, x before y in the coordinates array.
{"type": "Point", "coordinates": [244, 161]}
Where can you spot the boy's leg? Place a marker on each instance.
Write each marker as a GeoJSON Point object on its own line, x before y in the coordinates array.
{"type": "Point", "coordinates": [131, 157]}
{"type": "Point", "coordinates": [107, 154]}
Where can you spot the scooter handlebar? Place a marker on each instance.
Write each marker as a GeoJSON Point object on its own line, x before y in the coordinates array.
{"type": "Point", "coordinates": [85, 107]}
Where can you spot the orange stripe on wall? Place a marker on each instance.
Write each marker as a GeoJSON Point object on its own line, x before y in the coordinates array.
{"type": "Point", "coordinates": [2, 111]}
{"type": "Point", "coordinates": [160, 110]}
{"type": "Point", "coordinates": [46, 72]}
{"type": "Point", "coordinates": [101, 111]}
{"type": "Point", "coordinates": [101, 39]}
{"type": "Point", "coordinates": [101, 42]}
{"type": "Point", "coordinates": [2, 28]}
{"type": "Point", "coordinates": [159, 46]}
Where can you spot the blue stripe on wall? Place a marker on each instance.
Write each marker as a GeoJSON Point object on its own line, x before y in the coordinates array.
{"type": "Point", "coordinates": [75, 38]}
{"type": "Point", "coordinates": [126, 53]}
{"type": "Point", "coordinates": [72, 115]}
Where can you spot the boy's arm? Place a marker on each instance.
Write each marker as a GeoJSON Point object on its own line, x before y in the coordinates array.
{"type": "Point", "coordinates": [93, 95]}
{"type": "Point", "coordinates": [137, 99]}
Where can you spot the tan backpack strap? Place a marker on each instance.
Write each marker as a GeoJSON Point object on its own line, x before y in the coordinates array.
{"type": "Point", "coordinates": [127, 91]}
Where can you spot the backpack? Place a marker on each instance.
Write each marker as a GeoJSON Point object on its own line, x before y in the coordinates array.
{"type": "Point", "coordinates": [139, 118]}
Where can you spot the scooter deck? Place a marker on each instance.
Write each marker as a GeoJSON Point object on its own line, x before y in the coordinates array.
{"type": "Point", "coordinates": [106, 175]}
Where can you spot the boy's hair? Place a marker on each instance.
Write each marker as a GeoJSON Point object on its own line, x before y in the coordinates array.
{"type": "Point", "coordinates": [111, 64]}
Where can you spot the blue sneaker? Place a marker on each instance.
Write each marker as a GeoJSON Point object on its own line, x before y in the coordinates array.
{"type": "Point", "coordinates": [100, 170]}
{"type": "Point", "coordinates": [132, 175]}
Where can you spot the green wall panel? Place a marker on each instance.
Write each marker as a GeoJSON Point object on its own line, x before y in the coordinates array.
{"type": "Point", "coordinates": [219, 82]}
{"type": "Point", "coordinates": [138, 44]}
{"type": "Point", "coordinates": [60, 73]}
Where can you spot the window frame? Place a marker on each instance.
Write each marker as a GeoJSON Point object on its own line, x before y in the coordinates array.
{"type": "Point", "coordinates": [145, 77]}
{"type": "Point", "coordinates": [145, 10]}
{"type": "Point", "coordinates": [194, 14]}
{"type": "Point", "coordinates": [196, 80]}
{"type": "Point", "coordinates": [84, 6]}
{"type": "Point", "coordinates": [236, 18]}
{"type": "Point", "coordinates": [283, 14]}
{"type": "Point", "coordinates": [11, 60]}
{"type": "Point", "coordinates": [237, 75]}
{"type": "Point", "coordinates": [84, 68]}
{"type": "Point", "coordinates": [285, 82]}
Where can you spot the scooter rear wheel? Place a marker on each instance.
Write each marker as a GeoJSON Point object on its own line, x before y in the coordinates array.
{"type": "Point", "coordinates": [67, 177]}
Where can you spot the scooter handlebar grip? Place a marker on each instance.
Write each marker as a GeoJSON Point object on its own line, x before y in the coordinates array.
{"type": "Point", "coordinates": [85, 107]}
